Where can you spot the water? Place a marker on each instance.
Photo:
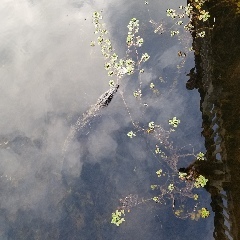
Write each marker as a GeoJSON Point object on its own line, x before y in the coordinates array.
{"type": "Point", "coordinates": [88, 116]}
{"type": "Point", "coordinates": [50, 77]}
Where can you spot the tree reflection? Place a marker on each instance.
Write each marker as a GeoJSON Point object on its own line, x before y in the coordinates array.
{"type": "Point", "coordinates": [216, 77]}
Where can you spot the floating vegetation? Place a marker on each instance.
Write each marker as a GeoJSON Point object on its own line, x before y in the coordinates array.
{"type": "Point", "coordinates": [117, 218]}
{"type": "Point", "coordinates": [170, 186]}
{"type": "Point", "coordinates": [174, 122]}
{"type": "Point", "coordinates": [130, 201]}
{"type": "Point", "coordinates": [201, 156]}
{"type": "Point", "coordinates": [193, 11]}
{"type": "Point", "coordinates": [201, 213]}
{"type": "Point", "coordinates": [131, 134]}
{"type": "Point", "coordinates": [159, 172]}
{"type": "Point", "coordinates": [200, 181]}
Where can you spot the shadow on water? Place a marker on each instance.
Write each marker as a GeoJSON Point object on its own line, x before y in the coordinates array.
{"type": "Point", "coordinates": [216, 76]}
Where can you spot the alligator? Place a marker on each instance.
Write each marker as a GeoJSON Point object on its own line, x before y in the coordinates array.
{"type": "Point", "coordinates": [106, 97]}
{"type": "Point", "coordinates": [103, 101]}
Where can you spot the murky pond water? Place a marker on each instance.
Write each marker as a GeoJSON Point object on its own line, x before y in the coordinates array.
{"type": "Point", "coordinates": [50, 78]}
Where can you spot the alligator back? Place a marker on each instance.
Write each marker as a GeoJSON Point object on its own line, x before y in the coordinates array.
{"type": "Point", "coordinates": [92, 112]}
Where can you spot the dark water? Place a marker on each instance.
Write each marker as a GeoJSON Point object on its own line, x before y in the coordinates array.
{"type": "Point", "coordinates": [50, 76]}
